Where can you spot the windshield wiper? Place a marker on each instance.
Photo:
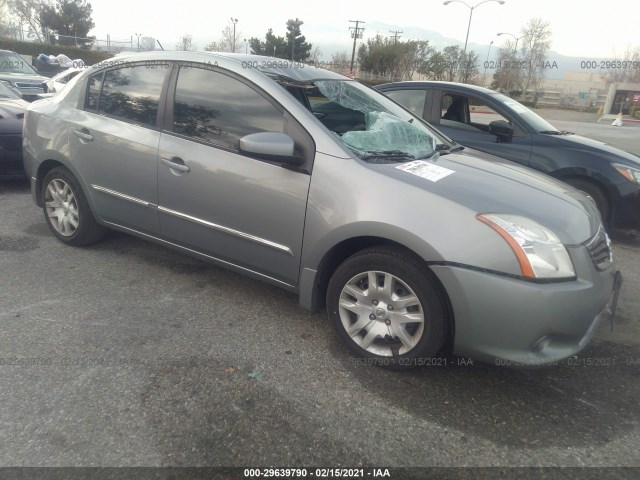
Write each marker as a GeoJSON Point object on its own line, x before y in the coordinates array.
{"type": "Point", "coordinates": [556, 132]}
{"type": "Point", "coordinates": [444, 149]}
{"type": "Point", "coordinates": [386, 154]}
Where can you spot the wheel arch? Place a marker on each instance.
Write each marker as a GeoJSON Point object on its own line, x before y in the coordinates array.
{"type": "Point", "coordinates": [49, 164]}
{"type": "Point", "coordinates": [607, 190]}
{"type": "Point", "coordinates": [313, 295]}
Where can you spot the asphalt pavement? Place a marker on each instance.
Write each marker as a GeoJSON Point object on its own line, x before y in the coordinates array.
{"type": "Point", "coordinates": [129, 354]}
{"type": "Point", "coordinates": [626, 137]}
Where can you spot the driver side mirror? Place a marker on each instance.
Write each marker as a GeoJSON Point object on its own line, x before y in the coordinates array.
{"type": "Point", "coordinates": [502, 130]}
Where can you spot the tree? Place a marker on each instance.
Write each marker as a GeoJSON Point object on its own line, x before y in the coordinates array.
{"type": "Point", "coordinates": [536, 42]}
{"type": "Point", "coordinates": [519, 71]}
{"type": "Point", "coordinates": [69, 19]}
{"type": "Point", "coordinates": [402, 59]}
{"type": "Point", "coordinates": [415, 58]}
{"type": "Point", "coordinates": [296, 42]}
{"type": "Point", "coordinates": [468, 70]}
{"type": "Point", "coordinates": [28, 13]}
{"type": "Point", "coordinates": [315, 55]}
{"type": "Point", "coordinates": [508, 76]}
{"type": "Point", "coordinates": [385, 57]}
{"type": "Point", "coordinates": [227, 42]}
{"type": "Point", "coordinates": [340, 62]}
{"type": "Point", "coordinates": [281, 47]}
{"type": "Point", "coordinates": [627, 69]}
{"type": "Point", "coordinates": [186, 43]}
{"type": "Point", "coordinates": [434, 67]}
{"type": "Point", "coordinates": [272, 46]}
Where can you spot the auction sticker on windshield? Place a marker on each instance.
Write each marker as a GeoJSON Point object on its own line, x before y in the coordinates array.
{"type": "Point", "coordinates": [426, 170]}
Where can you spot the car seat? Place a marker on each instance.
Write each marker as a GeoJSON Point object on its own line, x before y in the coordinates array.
{"type": "Point", "coordinates": [455, 112]}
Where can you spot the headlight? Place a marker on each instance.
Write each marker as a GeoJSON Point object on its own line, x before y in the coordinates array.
{"type": "Point", "coordinates": [630, 173]}
{"type": "Point", "coordinates": [539, 251]}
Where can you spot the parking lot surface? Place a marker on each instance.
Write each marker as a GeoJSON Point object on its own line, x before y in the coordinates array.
{"type": "Point", "coordinates": [583, 123]}
{"type": "Point", "coordinates": [128, 354]}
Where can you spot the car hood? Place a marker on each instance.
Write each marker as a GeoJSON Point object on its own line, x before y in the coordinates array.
{"type": "Point", "coordinates": [11, 114]}
{"type": "Point", "coordinates": [579, 142]}
{"type": "Point", "coordinates": [484, 183]}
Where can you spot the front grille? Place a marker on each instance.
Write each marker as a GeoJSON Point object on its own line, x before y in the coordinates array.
{"type": "Point", "coordinates": [600, 249]}
{"type": "Point", "coordinates": [29, 85]}
{"type": "Point", "coordinates": [12, 143]}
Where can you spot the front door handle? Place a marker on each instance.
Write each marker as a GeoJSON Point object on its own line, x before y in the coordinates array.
{"type": "Point", "coordinates": [175, 163]}
{"type": "Point", "coordinates": [83, 134]}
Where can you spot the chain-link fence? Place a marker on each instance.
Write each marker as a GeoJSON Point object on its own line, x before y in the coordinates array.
{"type": "Point", "coordinates": [109, 44]}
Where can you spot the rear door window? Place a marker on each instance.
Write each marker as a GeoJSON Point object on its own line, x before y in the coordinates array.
{"type": "Point", "coordinates": [132, 93]}
{"type": "Point", "coordinates": [412, 100]}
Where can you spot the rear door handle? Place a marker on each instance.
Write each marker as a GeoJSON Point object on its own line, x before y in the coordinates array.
{"type": "Point", "coordinates": [83, 134]}
{"type": "Point", "coordinates": [175, 163]}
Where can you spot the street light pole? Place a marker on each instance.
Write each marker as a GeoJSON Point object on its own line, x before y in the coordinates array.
{"type": "Point", "coordinates": [234, 21]}
{"type": "Point", "coordinates": [484, 75]}
{"type": "Point", "coordinates": [138, 35]}
{"type": "Point", "coordinates": [471, 8]}
{"type": "Point", "coordinates": [293, 38]}
{"type": "Point", "coordinates": [515, 51]}
{"type": "Point", "coordinates": [246, 47]}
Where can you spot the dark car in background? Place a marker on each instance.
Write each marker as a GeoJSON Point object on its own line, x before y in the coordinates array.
{"type": "Point", "coordinates": [17, 71]}
{"type": "Point", "coordinates": [12, 109]}
{"type": "Point", "coordinates": [494, 123]}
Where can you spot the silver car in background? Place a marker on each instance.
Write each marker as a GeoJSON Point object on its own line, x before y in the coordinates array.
{"type": "Point", "coordinates": [15, 70]}
{"type": "Point", "coordinates": [317, 184]}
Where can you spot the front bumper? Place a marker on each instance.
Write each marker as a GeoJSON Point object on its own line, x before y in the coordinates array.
{"type": "Point", "coordinates": [508, 321]}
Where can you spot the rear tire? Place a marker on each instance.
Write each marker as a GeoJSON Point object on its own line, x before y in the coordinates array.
{"type": "Point", "coordinates": [400, 322]}
{"type": "Point", "coordinates": [597, 194]}
{"type": "Point", "coordinates": [67, 211]}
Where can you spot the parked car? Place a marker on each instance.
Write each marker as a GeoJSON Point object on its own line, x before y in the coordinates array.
{"type": "Point", "coordinates": [17, 71]}
{"type": "Point", "coordinates": [494, 123]}
{"type": "Point", "coordinates": [322, 186]}
{"type": "Point", "coordinates": [58, 82]}
{"type": "Point", "coordinates": [12, 109]}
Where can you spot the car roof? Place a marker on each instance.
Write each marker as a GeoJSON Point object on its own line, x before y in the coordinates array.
{"type": "Point", "coordinates": [433, 83]}
{"type": "Point", "coordinates": [296, 71]}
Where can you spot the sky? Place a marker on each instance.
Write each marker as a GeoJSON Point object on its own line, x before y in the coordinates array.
{"type": "Point", "coordinates": [595, 28]}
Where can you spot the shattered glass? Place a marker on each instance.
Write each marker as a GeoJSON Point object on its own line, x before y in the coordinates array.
{"type": "Point", "coordinates": [384, 132]}
{"type": "Point", "coordinates": [387, 132]}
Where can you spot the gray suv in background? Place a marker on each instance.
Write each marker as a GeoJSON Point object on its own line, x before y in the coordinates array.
{"type": "Point", "coordinates": [317, 184]}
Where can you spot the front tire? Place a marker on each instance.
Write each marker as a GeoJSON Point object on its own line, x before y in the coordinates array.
{"type": "Point", "coordinates": [386, 306]}
{"type": "Point", "coordinates": [67, 211]}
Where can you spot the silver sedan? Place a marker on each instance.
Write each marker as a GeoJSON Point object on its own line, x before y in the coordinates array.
{"type": "Point", "coordinates": [318, 184]}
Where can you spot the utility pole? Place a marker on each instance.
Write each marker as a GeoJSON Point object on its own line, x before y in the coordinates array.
{"type": "Point", "coordinates": [356, 34]}
{"type": "Point", "coordinates": [395, 35]}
